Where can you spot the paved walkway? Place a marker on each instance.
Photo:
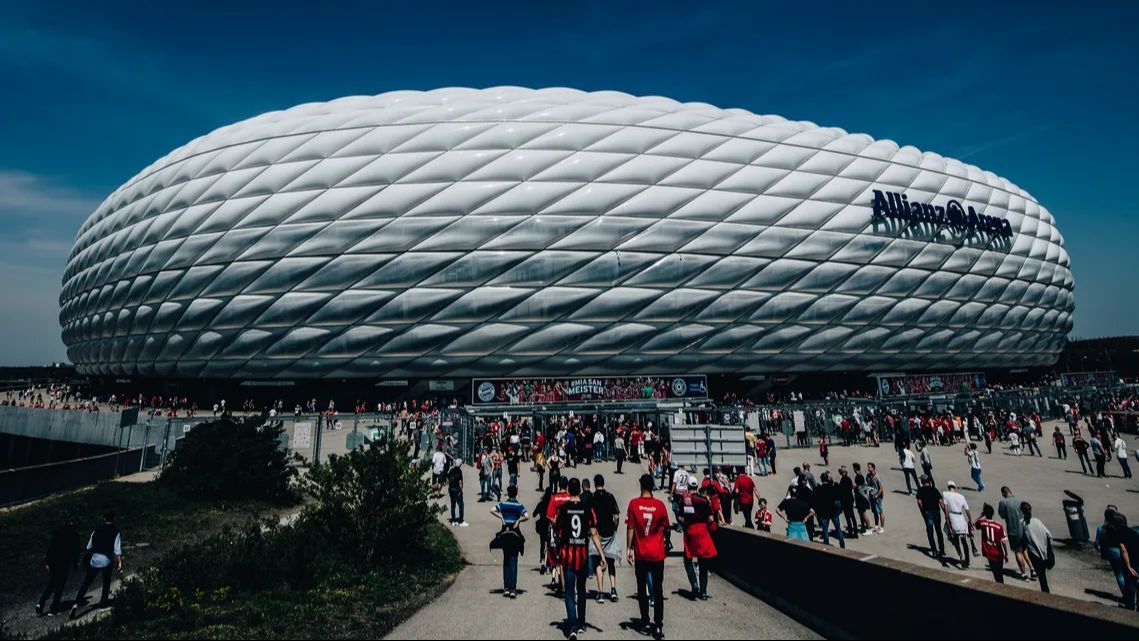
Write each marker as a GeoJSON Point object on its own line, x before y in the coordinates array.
{"type": "Point", "coordinates": [474, 607]}
{"type": "Point", "coordinates": [1079, 572]}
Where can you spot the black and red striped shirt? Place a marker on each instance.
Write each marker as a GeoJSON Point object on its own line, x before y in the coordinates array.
{"type": "Point", "coordinates": [573, 525]}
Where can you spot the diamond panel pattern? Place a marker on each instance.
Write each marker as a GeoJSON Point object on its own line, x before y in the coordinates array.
{"type": "Point", "coordinates": [511, 231]}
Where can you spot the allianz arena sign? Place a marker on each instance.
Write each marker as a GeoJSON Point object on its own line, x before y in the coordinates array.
{"type": "Point", "coordinates": [520, 233]}
{"type": "Point", "coordinates": [952, 215]}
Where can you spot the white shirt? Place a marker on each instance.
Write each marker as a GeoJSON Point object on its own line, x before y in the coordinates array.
{"type": "Point", "coordinates": [974, 461]}
{"type": "Point", "coordinates": [680, 479]}
{"type": "Point", "coordinates": [1120, 448]}
{"type": "Point", "coordinates": [907, 459]}
{"type": "Point", "coordinates": [956, 505]}
{"type": "Point", "coordinates": [438, 462]}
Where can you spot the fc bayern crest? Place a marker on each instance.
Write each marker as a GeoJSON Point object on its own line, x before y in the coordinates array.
{"type": "Point", "coordinates": [679, 387]}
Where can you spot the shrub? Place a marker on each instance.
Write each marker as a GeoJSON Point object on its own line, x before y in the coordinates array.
{"type": "Point", "coordinates": [228, 459]}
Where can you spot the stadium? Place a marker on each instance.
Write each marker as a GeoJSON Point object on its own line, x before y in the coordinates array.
{"type": "Point", "coordinates": [511, 232]}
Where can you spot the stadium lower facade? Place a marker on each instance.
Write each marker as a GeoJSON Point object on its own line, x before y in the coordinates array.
{"type": "Point", "coordinates": [512, 232]}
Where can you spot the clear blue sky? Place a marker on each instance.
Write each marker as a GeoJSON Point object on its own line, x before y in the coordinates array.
{"type": "Point", "coordinates": [1043, 94]}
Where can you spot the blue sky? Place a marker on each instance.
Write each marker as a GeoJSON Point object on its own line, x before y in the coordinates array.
{"type": "Point", "coordinates": [1043, 94]}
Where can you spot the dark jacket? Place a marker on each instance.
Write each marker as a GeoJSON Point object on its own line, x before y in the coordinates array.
{"type": "Point", "coordinates": [63, 550]}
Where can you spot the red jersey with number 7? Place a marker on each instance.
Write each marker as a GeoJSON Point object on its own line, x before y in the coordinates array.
{"type": "Point", "coordinates": [649, 520]}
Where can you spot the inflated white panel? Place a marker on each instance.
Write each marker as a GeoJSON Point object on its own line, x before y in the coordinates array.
{"type": "Point", "coordinates": [510, 231]}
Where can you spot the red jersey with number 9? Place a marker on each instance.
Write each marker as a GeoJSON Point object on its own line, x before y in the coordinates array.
{"type": "Point", "coordinates": [649, 520]}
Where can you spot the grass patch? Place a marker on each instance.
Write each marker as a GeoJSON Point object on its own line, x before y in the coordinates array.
{"type": "Point", "coordinates": [147, 514]}
{"type": "Point", "coordinates": [364, 553]}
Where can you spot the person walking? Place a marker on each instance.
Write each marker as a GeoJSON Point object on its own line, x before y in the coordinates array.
{"type": "Point", "coordinates": [828, 508]}
{"type": "Point", "coordinates": [974, 458]}
{"type": "Point", "coordinates": [509, 539]}
{"type": "Point", "coordinates": [993, 543]}
{"type": "Point", "coordinates": [699, 523]}
{"type": "Point", "coordinates": [61, 556]}
{"type": "Point", "coordinates": [647, 536]}
{"type": "Point", "coordinates": [576, 528]}
{"type": "Point", "coordinates": [746, 496]}
{"type": "Point", "coordinates": [960, 520]}
{"type": "Point", "coordinates": [1108, 543]}
{"type": "Point", "coordinates": [608, 516]}
{"type": "Point", "coordinates": [932, 507]}
{"type": "Point", "coordinates": [1082, 446]}
{"type": "Point", "coordinates": [1009, 509]}
{"type": "Point", "coordinates": [1061, 443]}
{"type": "Point", "coordinates": [455, 493]}
{"type": "Point", "coordinates": [1099, 452]}
{"type": "Point", "coordinates": [909, 469]}
{"type": "Point", "coordinates": [1039, 539]}
{"type": "Point", "coordinates": [1120, 448]}
{"type": "Point", "coordinates": [926, 461]}
{"type": "Point", "coordinates": [877, 494]}
{"type": "Point", "coordinates": [846, 497]}
{"type": "Point", "coordinates": [619, 450]}
{"type": "Point", "coordinates": [1129, 558]}
{"type": "Point", "coordinates": [104, 556]}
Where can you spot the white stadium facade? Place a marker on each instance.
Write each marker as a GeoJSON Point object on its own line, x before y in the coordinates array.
{"type": "Point", "coordinates": [555, 232]}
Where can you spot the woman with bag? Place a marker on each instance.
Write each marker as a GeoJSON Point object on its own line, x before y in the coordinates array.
{"type": "Point", "coordinates": [1039, 541]}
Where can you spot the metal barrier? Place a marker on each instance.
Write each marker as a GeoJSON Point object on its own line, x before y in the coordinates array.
{"type": "Point", "coordinates": [29, 483]}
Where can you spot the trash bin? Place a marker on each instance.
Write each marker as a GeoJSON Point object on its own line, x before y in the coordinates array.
{"type": "Point", "coordinates": [1074, 515]}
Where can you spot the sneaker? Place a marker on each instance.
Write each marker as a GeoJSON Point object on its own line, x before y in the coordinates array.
{"type": "Point", "coordinates": [704, 597]}
{"type": "Point", "coordinates": [464, 524]}
{"type": "Point", "coordinates": [513, 594]}
{"type": "Point", "coordinates": [506, 594]}
{"type": "Point", "coordinates": [600, 598]}
{"type": "Point", "coordinates": [573, 635]}
{"type": "Point", "coordinates": [658, 632]}
{"type": "Point", "coordinates": [613, 595]}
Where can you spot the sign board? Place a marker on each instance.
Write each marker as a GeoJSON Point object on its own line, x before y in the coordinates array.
{"type": "Point", "coordinates": [698, 446]}
{"type": "Point", "coordinates": [392, 383]}
{"type": "Point", "coordinates": [799, 418]}
{"type": "Point", "coordinates": [441, 386]}
{"type": "Point", "coordinates": [128, 417]}
{"type": "Point", "coordinates": [1088, 379]}
{"type": "Point", "coordinates": [527, 391]}
{"type": "Point", "coordinates": [302, 436]}
{"type": "Point", "coordinates": [923, 384]}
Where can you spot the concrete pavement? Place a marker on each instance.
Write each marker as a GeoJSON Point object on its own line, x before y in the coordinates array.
{"type": "Point", "coordinates": [474, 607]}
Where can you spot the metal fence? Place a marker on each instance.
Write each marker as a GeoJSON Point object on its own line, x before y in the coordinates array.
{"type": "Point", "coordinates": [29, 483]}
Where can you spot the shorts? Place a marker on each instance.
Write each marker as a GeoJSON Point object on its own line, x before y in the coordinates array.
{"type": "Point", "coordinates": [876, 506]}
{"type": "Point", "coordinates": [1017, 544]}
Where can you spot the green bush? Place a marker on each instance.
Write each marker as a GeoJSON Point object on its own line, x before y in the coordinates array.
{"type": "Point", "coordinates": [372, 502]}
{"type": "Point", "coordinates": [232, 459]}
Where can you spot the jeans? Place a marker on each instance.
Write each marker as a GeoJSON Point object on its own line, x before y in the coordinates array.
{"type": "Point", "coordinates": [497, 483]}
{"type": "Point", "coordinates": [1100, 462]}
{"type": "Point", "coordinates": [932, 525]}
{"type": "Point", "coordinates": [1124, 580]}
{"type": "Point", "coordinates": [909, 473]}
{"type": "Point", "coordinates": [89, 579]}
{"type": "Point", "coordinates": [761, 466]}
{"type": "Point", "coordinates": [746, 508]}
{"type": "Point", "coordinates": [620, 460]}
{"type": "Point", "coordinates": [699, 585]}
{"type": "Point", "coordinates": [57, 581]}
{"type": "Point", "coordinates": [457, 501]}
{"type": "Point", "coordinates": [1126, 467]}
{"type": "Point", "coordinates": [827, 521]}
{"type": "Point", "coordinates": [509, 572]}
{"type": "Point", "coordinates": [513, 480]}
{"type": "Point", "coordinates": [484, 488]}
{"type": "Point", "coordinates": [1062, 451]}
{"type": "Point", "coordinates": [1085, 462]}
{"type": "Point", "coordinates": [998, 569]}
{"type": "Point", "coordinates": [650, 572]}
{"type": "Point", "coordinates": [1038, 565]}
{"type": "Point", "coordinates": [575, 596]}
{"type": "Point", "coordinates": [961, 544]}
{"type": "Point", "coordinates": [976, 473]}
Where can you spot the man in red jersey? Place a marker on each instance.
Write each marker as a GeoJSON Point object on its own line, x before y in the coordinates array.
{"type": "Point", "coordinates": [994, 543]}
{"type": "Point", "coordinates": [699, 523]}
{"type": "Point", "coordinates": [647, 538]}
{"type": "Point", "coordinates": [559, 498]}
{"type": "Point", "coordinates": [576, 527]}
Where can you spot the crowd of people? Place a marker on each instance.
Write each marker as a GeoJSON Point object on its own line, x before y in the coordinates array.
{"type": "Point", "coordinates": [578, 521]}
